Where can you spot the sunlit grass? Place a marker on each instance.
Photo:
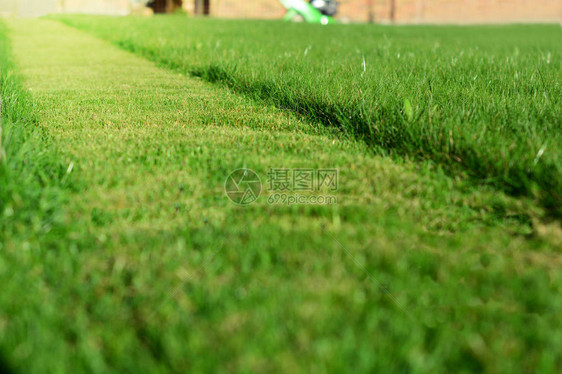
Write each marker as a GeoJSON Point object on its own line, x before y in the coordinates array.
{"type": "Point", "coordinates": [479, 100]}
{"type": "Point", "coordinates": [137, 262]}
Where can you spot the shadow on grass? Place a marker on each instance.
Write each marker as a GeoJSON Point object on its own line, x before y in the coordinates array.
{"type": "Point", "coordinates": [388, 131]}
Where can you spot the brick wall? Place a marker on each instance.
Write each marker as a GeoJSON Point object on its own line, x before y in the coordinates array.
{"type": "Point", "coordinates": [37, 8]}
{"type": "Point", "coordinates": [112, 7]}
{"type": "Point", "coordinates": [26, 8]}
{"type": "Point", "coordinates": [247, 9]}
{"type": "Point", "coordinates": [410, 11]}
{"type": "Point", "coordinates": [405, 11]}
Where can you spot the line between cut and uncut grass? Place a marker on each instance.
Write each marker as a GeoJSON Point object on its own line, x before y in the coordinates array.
{"type": "Point", "coordinates": [280, 295]}
{"type": "Point", "coordinates": [472, 106]}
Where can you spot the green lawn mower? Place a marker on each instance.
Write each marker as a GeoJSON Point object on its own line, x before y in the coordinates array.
{"type": "Point", "coordinates": [315, 11]}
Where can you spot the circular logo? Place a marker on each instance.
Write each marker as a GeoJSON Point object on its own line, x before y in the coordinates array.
{"type": "Point", "coordinates": [243, 186]}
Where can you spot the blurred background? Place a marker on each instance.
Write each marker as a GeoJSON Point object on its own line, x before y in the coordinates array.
{"type": "Point", "coordinates": [380, 11]}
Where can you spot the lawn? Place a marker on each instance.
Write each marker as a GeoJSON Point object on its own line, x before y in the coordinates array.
{"type": "Point", "coordinates": [120, 252]}
{"type": "Point", "coordinates": [479, 100]}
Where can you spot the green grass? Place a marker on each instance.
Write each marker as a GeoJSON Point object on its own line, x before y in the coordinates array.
{"type": "Point", "coordinates": [152, 269]}
{"type": "Point", "coordinates": [479, 100]}
{"type": "Point", "coordinates": [31, 177]}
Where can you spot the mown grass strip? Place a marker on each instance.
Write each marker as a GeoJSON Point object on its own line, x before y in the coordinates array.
{"type": "Point", "coordinates": [259, 288]}
{"type": "Point", "coordinates": [31, 177]}
{"type": "Point", "coordinates": [476, 100]}
{"type": "Point", "coordinates": [33, 186]}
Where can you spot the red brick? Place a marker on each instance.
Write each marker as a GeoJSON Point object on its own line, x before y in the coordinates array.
{"type": "Point", "coordinates": [411, 11]}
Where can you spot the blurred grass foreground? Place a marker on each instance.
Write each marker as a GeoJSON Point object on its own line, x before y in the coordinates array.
{"type": "Point", "coordinates": [146, 164]}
